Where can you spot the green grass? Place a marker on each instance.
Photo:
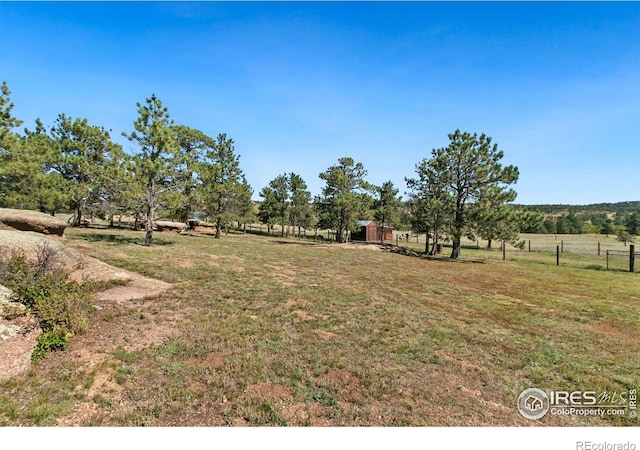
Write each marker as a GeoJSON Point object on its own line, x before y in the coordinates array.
{"type": "Point", "coordinates": [266, 331]}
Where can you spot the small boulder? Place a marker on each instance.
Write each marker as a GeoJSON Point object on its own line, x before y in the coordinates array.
{"type": "Point", "coordinates": [26, 220]}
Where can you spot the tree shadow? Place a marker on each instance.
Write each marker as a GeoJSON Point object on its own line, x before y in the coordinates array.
{"type": "Point", "coordinates": [438, 257]}
{"type": "Point", "coordinates": [119, 239]}
{"type": "Point", "coordinates": [294, 243]}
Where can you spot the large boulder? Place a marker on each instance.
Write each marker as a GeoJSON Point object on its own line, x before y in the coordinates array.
{"type": "Point", "coordinates": [167, 225]}
{"type": "Point", "coordinates": [25, 220]}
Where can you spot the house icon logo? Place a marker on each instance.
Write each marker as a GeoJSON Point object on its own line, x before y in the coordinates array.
{"type": "Point", "coordinates": [533, 403]}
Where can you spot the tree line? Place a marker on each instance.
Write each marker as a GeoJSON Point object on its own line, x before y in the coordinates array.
{"type": "Point", "coordinates": [586, 222]}
{"type": "Point", "coordinates": [612, 208]}
{"type": "Point", "coordinates": [74, 165]}
{"type": "Point", "coordinates": [461, 190]}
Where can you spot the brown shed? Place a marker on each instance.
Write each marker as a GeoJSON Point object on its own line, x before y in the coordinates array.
{"type": "Point", "coordinates": [371, 232]}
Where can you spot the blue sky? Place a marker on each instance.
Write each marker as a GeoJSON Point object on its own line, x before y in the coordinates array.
{"type": "Point", "coordinates": [298, 85]}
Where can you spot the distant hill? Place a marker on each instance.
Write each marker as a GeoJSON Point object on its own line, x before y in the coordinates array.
{"type": "Point", "coordinates": [619, 208]}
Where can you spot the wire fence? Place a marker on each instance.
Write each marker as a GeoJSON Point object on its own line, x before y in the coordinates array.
{"type": "Point", "coordinates": [594, 251]}
{"type": "Point", "coordinates": [591, 251]}
{"type": "Point", "coordinates": [620, 260]}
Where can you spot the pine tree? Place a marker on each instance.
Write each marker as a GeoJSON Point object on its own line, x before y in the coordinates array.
{"type": "Point", "coordinates": [301, 213]}
{"type": "Point", "coordinates": [345, 198]}
{"type": "Point", "coordinates": [81, 153]}
{"type": "Point", "coordinates": [155, 164]}
{"type": "Point", "coordinates": [467, 173]}
{"type": "Point", "coordinates": [224, 186]}
{"type": "Point", "coordinates": [386, 206]}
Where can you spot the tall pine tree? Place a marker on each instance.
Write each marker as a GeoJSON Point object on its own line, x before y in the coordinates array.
{"type": "Point", "coordinates": [155, 163]}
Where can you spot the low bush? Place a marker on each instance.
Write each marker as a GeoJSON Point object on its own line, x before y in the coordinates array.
{"type": "Point", "coordinates": [60, 304]}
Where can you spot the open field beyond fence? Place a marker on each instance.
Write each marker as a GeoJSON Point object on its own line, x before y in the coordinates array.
{"type": "Point", "coordinates": [587, 251]}
{"type": "Point", "coordinates": [269, 331]}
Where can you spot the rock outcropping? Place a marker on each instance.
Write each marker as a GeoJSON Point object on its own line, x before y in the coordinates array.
{"type": "Point", "coordinates": [30, 243]}
{"type": "Point", "coordinates": [26, 220]}
{"type": "Point", "coordinates": [18, 333]}
{"type": "Point", "coordinates": [167, 225]}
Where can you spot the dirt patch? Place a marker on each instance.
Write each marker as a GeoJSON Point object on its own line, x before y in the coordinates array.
{"type": "Point", "coordinates": [614, 328]}
{"type": "Point", "coordinates": [232, 257]}
{"type": "Point", "coordinates": [269, 391]}
{"type": "Point", "coordinates": [464, 366]}
{"type": "Point", "coordinates": [325, 335]}
{"type": "Point", "coordinates": [286, 273]}
{"type": "Point", "coordinates": [302, 315]}
{"type": "Point", "coordinates": [277, 264]}
{"type": "Point", "coordinates": [306, 414]}
{"type": "Point", "coordinates": [213, 360]}
{"type": "Point", "coordinates": [184, 263]}
{"type": "Point", "coordinates": [102, 387]}
{"type": "Point", "coordinates": [82, 414]}
{"type": "Point", "coordinates": [291, 303]}
{"type": "Point", "coordinates": [281, 269]}
{"type": "Point", "coordinates": [347, 386]}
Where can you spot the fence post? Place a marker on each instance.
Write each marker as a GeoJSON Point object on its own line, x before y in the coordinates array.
{"type": "Point", "coordinates": [632, 257]}
{"type": "Point", "coordinates": [529, 245]}
{"type": "Point", "coordinates": [504, 251]}
{"type": "Point", "coordinates": [598, 248]}
{"type": "Point", "coordinates": [562, 246]}
{"type": "Point", "coordinates": [557, 255]}
{"type": "Point", "coordinates": [607, 259]}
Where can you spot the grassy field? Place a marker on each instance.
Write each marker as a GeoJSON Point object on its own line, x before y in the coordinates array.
{"type": "Point", "coordinates": [268, 331]}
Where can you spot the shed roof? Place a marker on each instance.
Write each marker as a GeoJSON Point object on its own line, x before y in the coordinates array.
{"type": "Point", "coordinates": [364, 223]}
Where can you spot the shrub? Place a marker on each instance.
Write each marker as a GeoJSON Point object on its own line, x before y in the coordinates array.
{"type": "Point", "coordinates": [49, 341]}
{"type": "Point", "coordinates": [60, 304]}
